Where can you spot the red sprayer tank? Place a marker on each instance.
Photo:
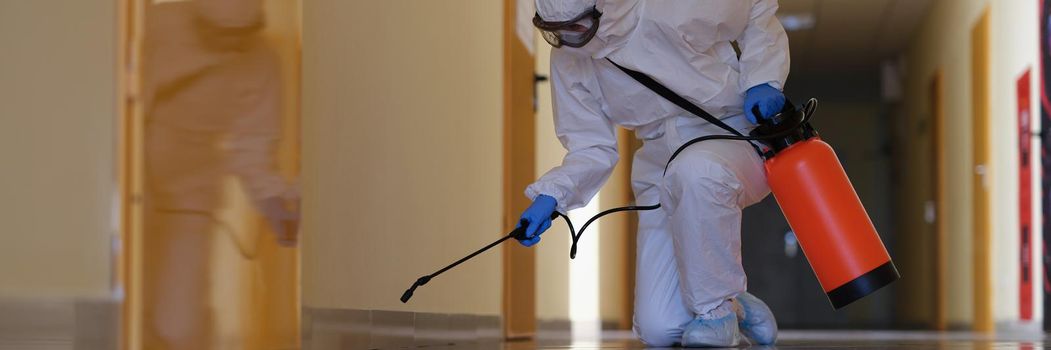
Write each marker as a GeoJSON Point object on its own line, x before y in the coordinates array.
{"type": "Point", "coordinates": [829, 221]}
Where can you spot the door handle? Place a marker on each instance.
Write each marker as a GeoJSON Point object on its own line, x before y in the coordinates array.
{"type": "Point", "coordinates": [982, 172]}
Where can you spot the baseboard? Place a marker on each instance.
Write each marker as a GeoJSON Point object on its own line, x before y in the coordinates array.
{"type": "Point", "coordinates": [565, 325]}
{"type": "Point", "coordinates": [554, 325]}
{"type": "Point", "coordinates": [1021, 329]}
{"type": "Point", "coordinates": [959, 326]}
{"type": "Point", "coordinates": [77, 324]}
{"type": "Point", "coordinates": [330, 329]}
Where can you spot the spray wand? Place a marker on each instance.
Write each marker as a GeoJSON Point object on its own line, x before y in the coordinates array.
{"type": "Point", "coordinates": [518, 233]}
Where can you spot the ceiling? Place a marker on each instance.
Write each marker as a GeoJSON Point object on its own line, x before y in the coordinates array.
{"type": "Point", "coordinates": [850, 35]}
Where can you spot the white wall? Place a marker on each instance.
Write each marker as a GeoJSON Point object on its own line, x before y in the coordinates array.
{"type": "Point", "coordinates": [58, 118]}
{"type": "Point", "coordinates": [402, 153]}
{"type": "Point", "coordinates": [1015, 38]}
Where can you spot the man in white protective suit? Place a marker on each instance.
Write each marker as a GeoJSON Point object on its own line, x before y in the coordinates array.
{"type": "Point", "coordinates": [728, 57]}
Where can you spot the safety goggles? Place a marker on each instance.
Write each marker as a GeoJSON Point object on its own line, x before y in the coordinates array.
{"type": "Point", "coordinates": [576, 32]}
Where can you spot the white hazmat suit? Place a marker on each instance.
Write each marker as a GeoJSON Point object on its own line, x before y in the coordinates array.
{"type": "Point", "coordinates": [689, 250]}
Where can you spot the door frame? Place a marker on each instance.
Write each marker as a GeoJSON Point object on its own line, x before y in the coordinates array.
{"type": "Point", "coordinates": [519, 170]}
{"type": "Point", "coordinates": [129, 167]}
{"type": "Point", "coordinates": [939, 304]}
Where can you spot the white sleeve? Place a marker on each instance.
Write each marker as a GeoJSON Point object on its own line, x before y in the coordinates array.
{"type": "Point", "coordinates": [764, 48]}
{"type": "Point", "coordinates": [588, 136]}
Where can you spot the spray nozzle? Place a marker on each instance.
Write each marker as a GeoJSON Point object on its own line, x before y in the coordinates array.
{"type": "Point", "coordinates": [408, 292]}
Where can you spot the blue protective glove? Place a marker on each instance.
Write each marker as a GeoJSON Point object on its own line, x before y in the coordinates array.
{"type": "Point", "coordinates": [769, 100]}
{"type": "Point", "coordinates": [538, 217]}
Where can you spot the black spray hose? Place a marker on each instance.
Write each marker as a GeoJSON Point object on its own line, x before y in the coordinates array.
{"type": "Point", "coordinates": [519, 232]}
{"type": "Point", "coordinates": [576, 236]}
{"type": "Point", "coordinates": [808, 110]}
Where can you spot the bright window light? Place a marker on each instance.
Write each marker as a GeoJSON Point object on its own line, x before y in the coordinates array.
{"type": "Point", "coordinates": [584, 280]}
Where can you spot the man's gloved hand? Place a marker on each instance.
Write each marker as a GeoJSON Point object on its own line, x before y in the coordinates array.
{"type": "Point", "coordinates": [283, 216]}
{"type": "Point", "coordinates": [538, 218]}
{"type": "Point", "coordinates": [769, 100]}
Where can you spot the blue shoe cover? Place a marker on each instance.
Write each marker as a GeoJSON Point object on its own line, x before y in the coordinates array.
{"type": "Point", "coordinates": [757, 323]}
{"type": "Point", "coordinates": [712, 333]}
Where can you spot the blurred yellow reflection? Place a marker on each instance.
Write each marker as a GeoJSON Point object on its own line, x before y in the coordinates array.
{"type": "Point", "coordinates": [221, 211]}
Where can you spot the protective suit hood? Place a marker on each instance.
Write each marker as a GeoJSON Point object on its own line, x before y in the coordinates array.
{"type": "Point", "coordinates": [562, 10]}
{"type": "Point", "coordinates": [620, 19]}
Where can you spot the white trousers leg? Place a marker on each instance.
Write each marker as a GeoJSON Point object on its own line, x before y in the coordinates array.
{"type": "Point", "coordinates": [689, 251]}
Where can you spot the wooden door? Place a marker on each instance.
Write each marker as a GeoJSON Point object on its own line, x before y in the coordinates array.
{"type": "Point", "coordinates": [981, 181]}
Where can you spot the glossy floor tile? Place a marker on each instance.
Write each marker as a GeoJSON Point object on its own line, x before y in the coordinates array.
{"type": "Point", "coordinates": [839, 340]}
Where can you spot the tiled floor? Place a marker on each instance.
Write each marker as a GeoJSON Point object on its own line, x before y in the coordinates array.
{"type": "Point", "coordinates": [839, 340]}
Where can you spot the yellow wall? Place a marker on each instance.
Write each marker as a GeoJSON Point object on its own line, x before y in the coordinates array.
{"type": "Point", "coordinates": [402, 154]}
{"type": "Point", "coordinates": [613, 250]}
{"type": "Point", "coordinates": [943, 42]}
{"type": "Point", "coordinates": [58, 116]}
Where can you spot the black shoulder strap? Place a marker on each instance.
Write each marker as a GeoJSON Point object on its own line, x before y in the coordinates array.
{"type": "Point", "coordinates": [672, 97]}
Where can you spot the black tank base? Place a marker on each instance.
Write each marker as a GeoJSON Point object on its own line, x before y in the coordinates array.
{"type": "Point", "coordinates": [863, 285]}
